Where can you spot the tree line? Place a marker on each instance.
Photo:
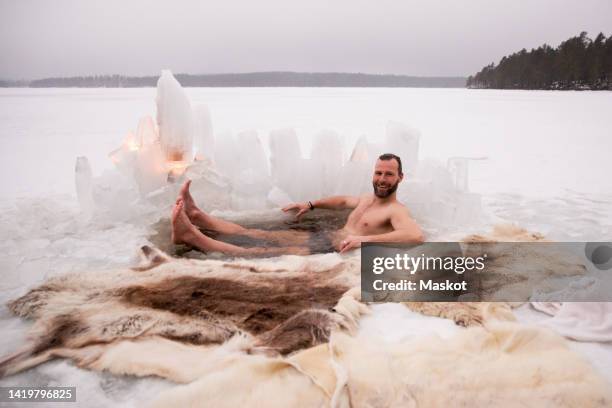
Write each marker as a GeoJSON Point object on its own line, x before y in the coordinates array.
{"type": "Point", "coordinates": [254, 79]}
{"type": "Point", "coordinates": [578, 63]}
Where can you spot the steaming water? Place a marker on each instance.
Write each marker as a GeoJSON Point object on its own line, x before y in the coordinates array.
{"type": "Point", "coordinates": [548, 168]}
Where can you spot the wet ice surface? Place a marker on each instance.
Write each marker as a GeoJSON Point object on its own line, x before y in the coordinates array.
{"type": "Point", "coordinates": [547, 170]}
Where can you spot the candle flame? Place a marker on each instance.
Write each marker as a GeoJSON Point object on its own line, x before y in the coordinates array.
{"type": "Point", "coordinates": [177, 167]}
{"type": "Point", "coordinates": [132, 145]}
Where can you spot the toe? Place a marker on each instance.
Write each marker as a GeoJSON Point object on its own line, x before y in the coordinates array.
{"type": "Point", "coordinates": [185, 188]}
{"type": "Point", "coordinates": [177, 208]}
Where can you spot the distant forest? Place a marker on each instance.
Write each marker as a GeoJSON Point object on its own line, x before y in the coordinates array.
{"type": "Point", "coordinates": [263, 79]}
{"type": "Point", "coordinates": [578, 63]}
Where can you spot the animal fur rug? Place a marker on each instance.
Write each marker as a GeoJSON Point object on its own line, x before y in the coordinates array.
{"type": "Point", "coordinates": [280, 308]}
{"type": "Point", "coordinates": [281, 305]}
{"type": "Point", "coordinates": [184, 319]}
{"type": "Point", "coordinates": [500, 364]}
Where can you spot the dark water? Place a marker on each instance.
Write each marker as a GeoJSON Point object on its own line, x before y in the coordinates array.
{"type": "Point", "coordinates": [319, 224]}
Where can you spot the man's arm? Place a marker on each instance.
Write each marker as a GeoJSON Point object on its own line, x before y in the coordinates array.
{"type": "Point", "coordinates": [405, 229]}
{"type": "Point", "coordinates": [329, 203]}
{"type": "Point", "coordinates": [337, 202]}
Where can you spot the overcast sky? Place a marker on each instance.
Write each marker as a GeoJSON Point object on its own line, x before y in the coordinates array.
{"type": "Point", "coordinates": [426, 38]}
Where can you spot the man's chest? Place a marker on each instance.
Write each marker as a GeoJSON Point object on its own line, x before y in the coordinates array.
{"type": "Point", "coordinates": [370, 218]}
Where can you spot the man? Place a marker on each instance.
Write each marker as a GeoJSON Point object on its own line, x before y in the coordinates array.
{"type": "Point", "coordinates": [376, 217]}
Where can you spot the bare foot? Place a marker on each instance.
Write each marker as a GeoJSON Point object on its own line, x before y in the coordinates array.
{"type": "Point", "coordinates": [183, 231]}
{"type": "Point", "coordinates": [202, 220]}
{"type": "Point", "coordinates": [191, 209]}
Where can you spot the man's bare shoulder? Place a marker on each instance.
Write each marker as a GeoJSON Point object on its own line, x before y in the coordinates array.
{"type": "Point", "coordinates": [400, 209]}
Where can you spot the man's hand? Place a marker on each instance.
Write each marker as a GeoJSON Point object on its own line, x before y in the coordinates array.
{"type": "Point", "coordinates": [350, 242]}
{"type": "Point", "coordinates": [301, 208]}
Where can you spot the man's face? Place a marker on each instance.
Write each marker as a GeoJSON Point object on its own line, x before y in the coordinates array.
{"type": "Point", "coordinates": [386, 178]}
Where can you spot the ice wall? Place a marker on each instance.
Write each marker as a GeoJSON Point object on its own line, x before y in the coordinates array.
{"type": "Point", "coordinates": [150, 170]}
{"type": "Point", "coordinates": [236, 171]}
{"type": "Point", "coordinates": [251, 177]}
{"type": "Point", "coordinates": [204, 141]}
{"type": "Point", "coordinates": [224, 155]}
{"type": "Point", "coordinates": [356, 173]}
{"type": "Point", "coordinates": [285, 156]}
{"type": "Point", "coordinates": [160, 151]}
{"type": "Point", "coordinates": [146, 133]}
{"type": "Point", "coordinates": [174, 119]}
{"type": "Point", "coordinates": [141, 157]}
{"type": "Point", "coordinates": [327, 154]}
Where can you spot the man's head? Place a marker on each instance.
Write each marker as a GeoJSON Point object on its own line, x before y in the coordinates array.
{"type": "Point", "coordinates": [387, 175]}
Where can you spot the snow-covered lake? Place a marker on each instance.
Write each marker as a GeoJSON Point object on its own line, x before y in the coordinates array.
{"type": "Point", "coordinates": [547, 165]}
{"type": "Point", "coordinates": [548, 168]}
{"type": "Point", "coordinates": [537, 142]}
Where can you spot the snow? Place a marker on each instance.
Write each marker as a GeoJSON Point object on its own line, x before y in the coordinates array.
{"type": "Point", "coordinates": [65, 206]}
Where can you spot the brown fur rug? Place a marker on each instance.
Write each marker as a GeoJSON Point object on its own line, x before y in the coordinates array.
{"type": "Point", "coordinates": [276, 306]}
{"type": "Point", "coordinates": [280, 309]}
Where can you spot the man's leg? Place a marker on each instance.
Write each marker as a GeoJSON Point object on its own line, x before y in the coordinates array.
{"type": "Point", "coordinates": [206, 221]}
{"type": "Point", "coordinates": [184, 232]}
{"type": "Point", "coordinates": [200, 219]}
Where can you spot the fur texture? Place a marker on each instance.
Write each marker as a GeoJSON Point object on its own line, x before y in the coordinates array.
{"type": "Point", "coordinates": [502, 277]}
{"type": "Point", "coordinates": [513, 269]}
{"type": "Point", "coordinates": [502, 364]}
{"type": "Point", "coordinates": [274, 307]}
{"type": "Point", "coordinates": [194, 302]}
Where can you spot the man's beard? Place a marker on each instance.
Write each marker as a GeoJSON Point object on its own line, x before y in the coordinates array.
{"type": "Point", "coordinates": [385, 193]}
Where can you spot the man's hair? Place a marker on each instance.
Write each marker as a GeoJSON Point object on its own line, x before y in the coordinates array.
{"type": "Point", "coordinates": [391, 156]}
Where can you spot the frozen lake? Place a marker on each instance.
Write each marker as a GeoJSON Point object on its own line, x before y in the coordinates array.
{"type": "Point", "coordinates": [537, 142]}
{"type": "Point", "coordinates": [547, 165]}
{"type": "Point", "coordinates": [548, 169]}
{"type": "Point", "coordinates": [547, 153]}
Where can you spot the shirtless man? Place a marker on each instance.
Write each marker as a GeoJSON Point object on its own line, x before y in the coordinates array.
{"type": "Point", "coordinates": [376, 217]}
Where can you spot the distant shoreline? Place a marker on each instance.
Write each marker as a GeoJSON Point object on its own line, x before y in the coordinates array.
{"type": "Point", "coordinates": [254, 79]}
{"type": "Point", "coordinates": [577, 64]}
